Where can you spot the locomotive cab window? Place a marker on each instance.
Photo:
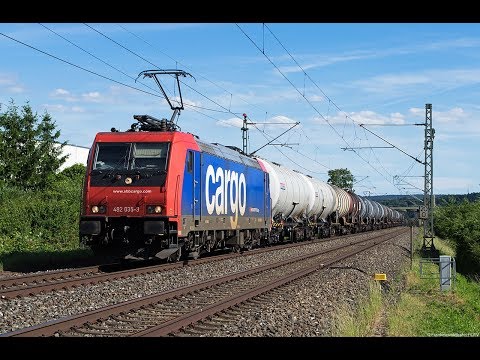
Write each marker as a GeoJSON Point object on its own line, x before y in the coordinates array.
{"type": "Point", "coordinates": [151, 156]}
{"type": "Point", "coordinates": [111, 156]}
{"type": "Point", "coordinates": [131, 156]}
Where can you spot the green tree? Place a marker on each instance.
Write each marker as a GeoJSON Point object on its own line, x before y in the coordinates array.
{"type": "Point", "coordinates": [29, 151]}
{"type": "Point", "coordinates": [342, 178]}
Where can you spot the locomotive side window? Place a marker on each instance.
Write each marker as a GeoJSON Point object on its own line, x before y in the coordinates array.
{"type": "Point", "coordinates": [190, 161]}
{"type": "Point", "coordinates": [150, 156]}
{"type": "Point", "coordinates": [111, 156]}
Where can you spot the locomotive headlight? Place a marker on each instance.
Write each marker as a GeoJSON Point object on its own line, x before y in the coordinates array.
{"type": "Point", "coordinates": [154, 209]}
{"type": "Point", "coordinates": [128, 180]}
{"type": "Point", "coordinates": [100, 209]}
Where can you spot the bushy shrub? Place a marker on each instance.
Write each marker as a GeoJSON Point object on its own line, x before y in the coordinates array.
{"type": "Point", "coordinates": [33, 220]}
{"type": "Point", "coordinates": [460, 222]}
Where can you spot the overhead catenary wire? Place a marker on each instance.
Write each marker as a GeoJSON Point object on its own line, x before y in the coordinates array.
{"type": "Point", "coordinates": [97, 74]}
{"type": "Point", "coordinates": [188, 68]}
{"type": "Point", "coordinates": [122, 72]}
{"type": "Point", "coordinates": [116, 81]}
{"type": "Point", "coordinates": [134, 53]}
{"type": "Point", "coordinates": [338, 108]}
{"type": "Point", "coordinates": [323, 93]}
{"type": "Point", "coordinates": [148, 61]}
{"type": "Point", "coordinates": [119, 82]}
{"type": "Point", "coordinates": [331, 101]}
{"type": "Point", "coordinates": [310, 103]}
{"type": "Point", "coordinates": [79, 67]}
{"type": "Point", "coordinates": [96, 57]}
{"type": "Point", "coordinates": [287, 157]}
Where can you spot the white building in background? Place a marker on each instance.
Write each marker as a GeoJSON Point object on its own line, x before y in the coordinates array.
{"type": "Point", "coordinates": [76, 154]}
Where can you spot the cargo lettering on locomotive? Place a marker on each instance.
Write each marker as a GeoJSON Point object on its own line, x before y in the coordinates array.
{"type": "Point", "coordinates": [225, 196]}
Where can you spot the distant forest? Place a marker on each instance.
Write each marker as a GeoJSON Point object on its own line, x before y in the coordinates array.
{"type": "Point", "coordinates": [409, 201]}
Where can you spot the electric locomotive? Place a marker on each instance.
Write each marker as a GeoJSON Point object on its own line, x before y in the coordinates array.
{"type": "Point", "coordinates": [163, 193]}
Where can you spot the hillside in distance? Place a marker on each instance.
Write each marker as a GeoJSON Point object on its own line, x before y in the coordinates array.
{"type": "Point", "coordinates": [417, 199]}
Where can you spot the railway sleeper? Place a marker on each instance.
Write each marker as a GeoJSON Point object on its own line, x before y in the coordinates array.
{"type": "Point", "coordinates": [206, 327]}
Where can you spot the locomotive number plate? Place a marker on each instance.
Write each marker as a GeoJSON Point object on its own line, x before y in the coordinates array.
{"type": "Point", "coordinates": [126, 209]}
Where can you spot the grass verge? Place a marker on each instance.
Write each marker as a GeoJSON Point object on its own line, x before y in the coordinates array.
{"type": "Point", "coordinates": [421, 308]}
{"type": "Point", "coordinates": [424, 310]}
{"type": "Point", "coordinates": [362, 321]}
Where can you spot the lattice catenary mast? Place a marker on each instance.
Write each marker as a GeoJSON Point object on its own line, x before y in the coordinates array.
{"type": "Point", "coordinates": [428, 247]}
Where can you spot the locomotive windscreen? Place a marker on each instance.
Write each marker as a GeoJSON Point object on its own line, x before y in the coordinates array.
{"type": "Point", "coordinates": [112, 156]}
{"type": "Point", "coordinates": [113, 161]}
{"type": "Point", "coordinates": [130, 156]}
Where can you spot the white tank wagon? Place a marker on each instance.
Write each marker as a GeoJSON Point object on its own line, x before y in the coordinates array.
{"type": "Point", "coordinates": [384, 212]}
{"type": "Point", "coordinates": [290, 191]}
{"type": "Point", "coordinates": [363, 207]}
{"type": "Point", "coordinates": [389, 215]}
{"type": "Point", "coordinates": [365, 214]}
{"type": "Point", "coordinates": [370, 213]}
{"type": "Point", "coordinates": [322, 201]}
{"type": "Point", "coordinates": [331, 200]}
{"type": "Point", "coordinates": [397, 216]}
{"type": "Point", "coordinates": [344, 201]}
{"type": "Point", "coordinates": [376, 213]}
{"type": "Point", "coordinates": [315, 198]}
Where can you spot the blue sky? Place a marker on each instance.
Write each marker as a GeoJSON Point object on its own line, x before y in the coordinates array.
{"type": "Point", "coordinates": [366, 73]}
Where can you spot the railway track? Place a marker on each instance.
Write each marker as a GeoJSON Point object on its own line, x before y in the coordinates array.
{"type": "Point", "coordinates": [37, 283]}
{"type": "Point", "coordinates": [169, 312]}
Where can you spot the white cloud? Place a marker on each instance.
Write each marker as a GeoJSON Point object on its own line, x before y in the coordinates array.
{"type": "Point", "coordinates": [60, 92]}
{"type": "Point", "coordinates": [10, 84]}
{"type": "Point", "coordinates": [453, 116]}
{"type": "Point", "coordinates": [55, 108]}
{"type": "Point", "coordinates": [16, 89]}
{"type": "Point", "coordinates": [278, 123]}
{"type": "Point", "coordinates": [60, 108]}
{"type": "Point", "coordinates": [316, 98]}
{"type": "Point", "coordinates": [63, 94]}
{"type": "Point", "coordinates": [232, 122]}
{"type": "Point", "coordinates": [363, 117]}
{"type": "Point", "coordinates": [437, 81]}
{"type": "Point", "coordinates": [78, 109]}
{"type": "Point", "coordinates": [324, 60]}
{"type": "Point", "coordinates": [311, 61]}
{"type": "Point", "coordinates": [5, 79]}
{"type": "Point", "coordinates": [176, 100]}
{"type": "Point", "coordinates": [263, 95]}
{"type": "Point", "coordinates": [111, 96]}
{"type": "Point", "coordinates": [93, 96]}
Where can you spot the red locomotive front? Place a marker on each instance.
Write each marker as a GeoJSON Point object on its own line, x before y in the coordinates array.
{"type": "Point", "coordinates": [132, 191]}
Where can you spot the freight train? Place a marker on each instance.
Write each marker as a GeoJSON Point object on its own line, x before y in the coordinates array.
{"type": "Point", "coordinates": [157, 192]}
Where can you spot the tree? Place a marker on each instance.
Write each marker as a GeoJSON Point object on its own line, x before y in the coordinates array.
{"type": "Point", "coordinates": [29, 152]}
{"type": "Point", "coordinates": [342, 178]}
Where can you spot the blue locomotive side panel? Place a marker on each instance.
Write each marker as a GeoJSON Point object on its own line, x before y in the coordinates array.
{"type": "Point", "coordinates": [215, 187]}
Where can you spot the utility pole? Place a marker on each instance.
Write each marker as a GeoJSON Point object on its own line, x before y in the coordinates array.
{"type": "Point", "coordinates": [428, 248]}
